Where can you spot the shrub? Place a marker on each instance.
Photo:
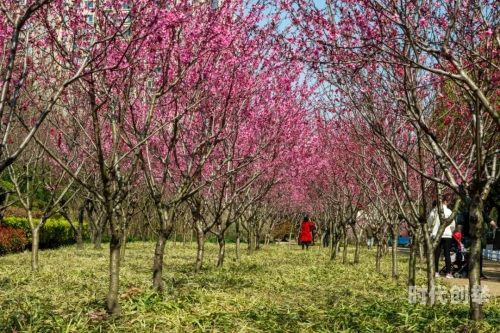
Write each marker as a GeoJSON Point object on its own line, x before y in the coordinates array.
{"type": "Point", "coordinates": [21, 212]}
{"type": "Point", "coordinates": [55, 232]}
{"type": "Point", "coordinates": [18, 222]}
{"type": "Point", "coordinates": [12, 240]}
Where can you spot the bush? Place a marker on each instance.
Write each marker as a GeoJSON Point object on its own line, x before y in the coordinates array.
{"type": "Point", "coordinates": [12, 240]}
{"type": "Point", "coordinates": [18, 222]}
{"type": "Point", "coordinates": [55, 232]}
{"type": "Point", "coordinates": [13, 211]}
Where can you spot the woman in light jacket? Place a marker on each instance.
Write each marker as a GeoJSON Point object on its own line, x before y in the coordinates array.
{"type": "Point", "coordinates": [446, 239]}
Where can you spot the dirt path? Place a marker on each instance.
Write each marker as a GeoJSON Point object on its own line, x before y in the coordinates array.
{"type": "Point", "coordinates": [492, 271]}
{"type": "Point", "coordinates": [490, 268]}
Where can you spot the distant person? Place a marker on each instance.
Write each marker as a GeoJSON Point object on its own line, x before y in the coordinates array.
{"type": "Point", "coordinates": [446, 239]}
{"type": "Point", "coordinates": [326, 238]}
{"type": "Point", "coordinates": [463, 225]}
{"type": "Point", "coordinates": [370, 240]}
{"type": "Point", "coordinates": [306, 233]}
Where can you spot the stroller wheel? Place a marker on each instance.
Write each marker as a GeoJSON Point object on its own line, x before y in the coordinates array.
{"type": "Point", "coordinates": [457, 275]}
{"type": "Point", "coordinates": [464, 274]}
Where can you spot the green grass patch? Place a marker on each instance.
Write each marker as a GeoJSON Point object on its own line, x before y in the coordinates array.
{"type": "Point", "coordinates": [276, 289]}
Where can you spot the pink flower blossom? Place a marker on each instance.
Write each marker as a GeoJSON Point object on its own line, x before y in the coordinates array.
{"type": "Point", "coordinates": [447, 120]}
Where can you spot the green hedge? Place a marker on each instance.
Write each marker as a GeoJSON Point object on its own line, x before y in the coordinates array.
{"type": "Point", "coordinates": [55, 232]}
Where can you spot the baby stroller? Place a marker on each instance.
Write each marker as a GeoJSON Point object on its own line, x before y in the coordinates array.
{"type": "Point", "coordinates": [459, 258]}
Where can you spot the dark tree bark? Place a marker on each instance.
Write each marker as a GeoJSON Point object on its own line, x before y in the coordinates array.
{"type": "Point", "coordinates": [395, 235]}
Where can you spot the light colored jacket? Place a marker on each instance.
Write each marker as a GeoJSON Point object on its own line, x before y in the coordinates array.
{"type": "Point", "coordinates": [434, 216]}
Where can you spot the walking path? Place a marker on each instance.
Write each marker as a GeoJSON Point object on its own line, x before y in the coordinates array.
{"type": "Point", "coordinates": [490, 268]}
{"type": "Point", "coordinates": [492, 271]}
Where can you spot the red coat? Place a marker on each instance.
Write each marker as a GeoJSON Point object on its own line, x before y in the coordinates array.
{"type": "Point", "coordinates": [306, 233]}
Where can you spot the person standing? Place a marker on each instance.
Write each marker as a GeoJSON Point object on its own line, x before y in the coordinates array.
{"type": "Point", "coordinates": [306, 236]}
{"type": "Point", "coordinates": [370, 240]}
{"type": "Point", "coordinates": [446, 239]}
{"type": "Point", "coordinates": [326, 238]}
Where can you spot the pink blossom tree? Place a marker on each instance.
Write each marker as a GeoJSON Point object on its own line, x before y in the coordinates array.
{"type": "Point", "coordinates": [113, 93]}
{"type": "Point", "coordinates": [442, 50]}
{"type": "Point", "coordinates": [46, 49]}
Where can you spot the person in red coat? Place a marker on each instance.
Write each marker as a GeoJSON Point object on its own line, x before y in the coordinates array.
{"type": "Point", "coordinates": [306, 233]}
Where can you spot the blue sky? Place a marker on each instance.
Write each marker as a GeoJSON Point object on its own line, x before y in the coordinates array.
{"type": "Point", "coordinates": [319, 3]}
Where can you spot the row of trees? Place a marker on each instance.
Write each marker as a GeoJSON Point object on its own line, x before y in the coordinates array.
{"type": "Point", "coordinates": [155, 108]}
{"type": "Point", "coordinates": [411, 89]}
{"type": "Point", "coordinates": [361, 112]}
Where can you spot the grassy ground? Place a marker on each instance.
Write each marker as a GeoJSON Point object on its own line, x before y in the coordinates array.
{"type": "Point", "coordinates": [277, 289]}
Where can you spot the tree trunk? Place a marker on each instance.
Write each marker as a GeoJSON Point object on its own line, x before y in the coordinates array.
{"type": "Point", "coordinates": [421, 252]}
{"type": "Point", "coordinates": [357, 238]}
{"type": "Point", "coordinates": [200, 240]}
{"type": "Point", "coordinates": [430, 268]}
{"type": "Point", "coordinates": [344, 256]}
{"type": "Point", "coordinates": [257, 235]}
{"type": "Point", "coordinates": [79, 239]}
{"type": "Point", "coordinates": [379, 255]}
{"type": "Point", "coordinates": [250, 239]}
{"type": "Point", "coordinates": [98, 240]}
{"type": "Point", "coordinates": [114, 272]}
{"type": "Point", "coordinates": [331, 245]}
{"type": "Point", "coordinates": [257, 239]}
{"type": "Point", "coordinates": [114, 216]}
{"type": "Point", "coordinates": [79, 229]}
{"type": "Point", "coordinates": [158, 261]}
{"type": "Point", "coordinates": [99, 231]}
{"type": "Point", "coordinates": [413, 259]}
{"type": "Point", "coordinates": [395, 274]}
{"type": "Point", "coordinates": [335, 244]}
{"type": "Point", "coordinates": [238, 239]}
{"type": "Point", "coordinates": [93, 231]}
{"type": "Point", "coordinates": [334, 249]}
{"type": "Point", "coordinates": [35, 244]}
{"type": "Point", "coordinates": [222, 250]}
{"type": "Point", "coordinates": [356, 252]}
{"type": "Point", "coordinates": [165, 228]}
{"type": "Point", "coordinates": [89, 208]}
{"type": "Point", "coordinates": [476, 226]}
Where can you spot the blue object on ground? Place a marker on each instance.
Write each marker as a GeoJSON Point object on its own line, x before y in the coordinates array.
{"type": "Point", "coordinates": [402, 241]}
